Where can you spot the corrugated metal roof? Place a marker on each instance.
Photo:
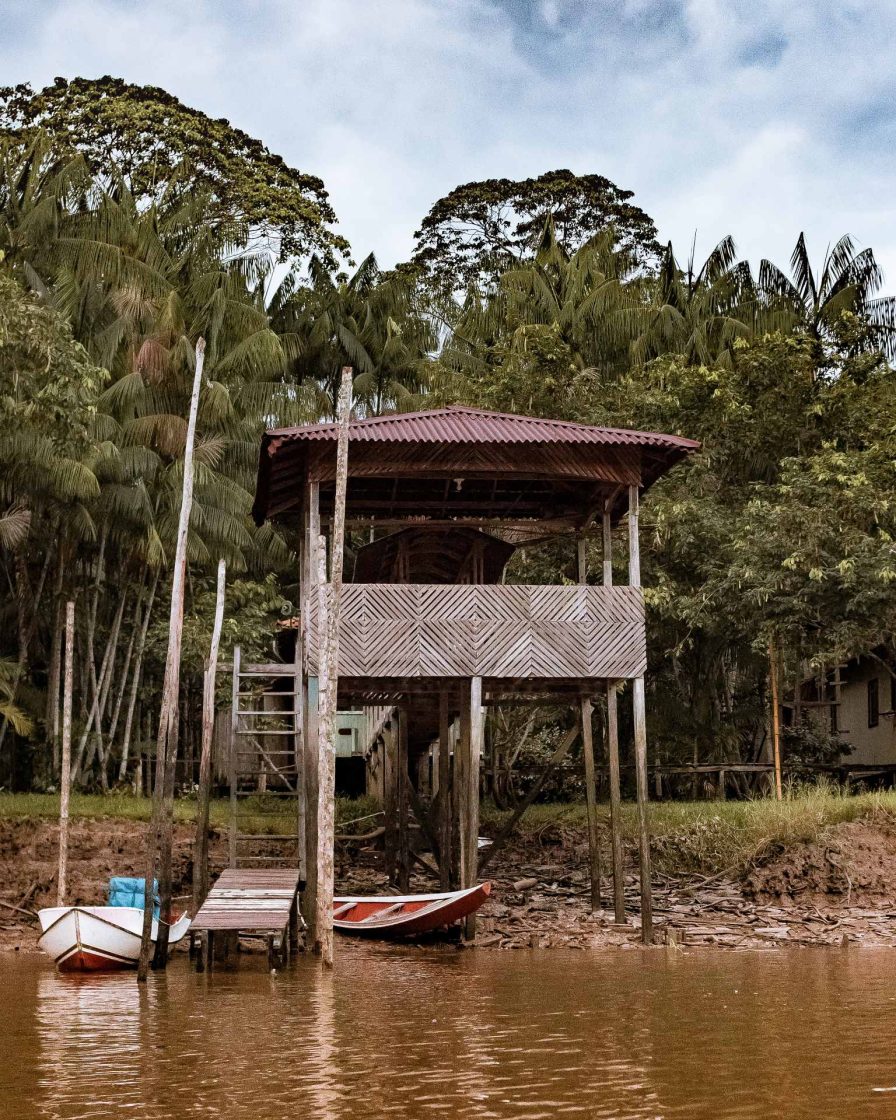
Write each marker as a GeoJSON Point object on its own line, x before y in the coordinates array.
{"type": "Point", "coordinates": [459, 424]}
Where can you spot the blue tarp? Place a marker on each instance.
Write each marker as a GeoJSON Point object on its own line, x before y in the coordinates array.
{"type": "Point", "coordinates": [131, 892]}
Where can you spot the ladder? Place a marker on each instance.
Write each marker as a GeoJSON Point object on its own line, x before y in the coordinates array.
{"type": "Point", "coordinates": [265, 766]}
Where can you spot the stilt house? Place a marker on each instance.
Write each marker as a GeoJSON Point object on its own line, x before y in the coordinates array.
{"type": "Point", "coordinates": [429, 630]}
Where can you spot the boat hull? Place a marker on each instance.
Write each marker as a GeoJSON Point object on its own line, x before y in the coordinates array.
{"type": "Point", "coordinates": [98, 938]}
{"type": "Point", "coordinates": [405, 915]}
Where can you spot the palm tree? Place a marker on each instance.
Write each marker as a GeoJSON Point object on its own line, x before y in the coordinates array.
{"type": "Point", "coordinates": [369, 320]}
{"type": "Point", "coordinates": [696, 312]}
{"type": "Point", "coordinates": [814, 302]}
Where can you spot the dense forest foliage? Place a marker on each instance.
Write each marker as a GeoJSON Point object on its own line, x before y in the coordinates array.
{"type": "Point", "coordinates": [131, 224]}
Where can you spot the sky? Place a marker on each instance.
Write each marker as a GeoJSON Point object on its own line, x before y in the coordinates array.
{"type": "Point", "coordinates": [760, 119]}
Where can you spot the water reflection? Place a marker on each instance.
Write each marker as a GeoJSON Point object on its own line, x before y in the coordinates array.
{"type": "Point", "coordinates": [414, 1034]}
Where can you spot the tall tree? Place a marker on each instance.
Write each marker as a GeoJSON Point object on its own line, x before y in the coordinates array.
{"type": "Point", "coordinates": [480, 229]}
{"type": "Point", "coordinates": [157, 144]}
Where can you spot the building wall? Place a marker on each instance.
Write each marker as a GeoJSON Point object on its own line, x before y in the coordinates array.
{"type": "Point", "coordinates": [870, 744]}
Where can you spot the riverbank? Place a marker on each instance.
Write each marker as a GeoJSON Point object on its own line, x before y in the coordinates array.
{"type": "Point", "coordinates": [814, 869]}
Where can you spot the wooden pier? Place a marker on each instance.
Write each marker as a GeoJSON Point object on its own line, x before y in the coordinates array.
{"type": "Point", "coordinates": [258, 902]}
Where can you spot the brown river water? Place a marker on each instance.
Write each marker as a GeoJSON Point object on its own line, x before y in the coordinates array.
{"type": "Point", "coordinates": [410, 1033]}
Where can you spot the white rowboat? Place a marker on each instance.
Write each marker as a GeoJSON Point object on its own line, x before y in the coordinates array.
{"type": "Point", "coordinates": [98, 938]}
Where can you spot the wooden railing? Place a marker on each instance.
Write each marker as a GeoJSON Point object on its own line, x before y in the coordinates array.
{"type": "Point", "coordinates": [449, 630]}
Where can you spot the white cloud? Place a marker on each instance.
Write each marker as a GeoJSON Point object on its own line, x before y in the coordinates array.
{"type": "Point", "coordinates": [759, 119]}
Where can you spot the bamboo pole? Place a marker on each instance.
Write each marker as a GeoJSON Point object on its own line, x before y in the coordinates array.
{"type": "Point", "coordinates": [329, 657]}
{"type": "Point", "coordinates": [65, 777]}
{"type": "Point", "coordinates": [160, 830]}
{"type": "Point", "coordinates": [640, 720]}
{"type": "Point", "coordinates": [200, 846]}
{"type": "Point", "coordinates": [613, 749]}
{"type": "Point", "coordinates": [135, 685]}
{"type": "Point", "coordinates": [776, 718]}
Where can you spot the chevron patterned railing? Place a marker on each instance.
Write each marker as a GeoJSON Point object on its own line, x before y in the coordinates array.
{"type": "Point", "coordinates": [447, 630]}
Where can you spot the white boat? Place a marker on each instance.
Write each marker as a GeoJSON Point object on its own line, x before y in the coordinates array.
{"type": "Point", "coordinates": [98, 938]}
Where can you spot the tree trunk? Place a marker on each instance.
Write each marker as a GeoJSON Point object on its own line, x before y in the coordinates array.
{"type": "Point", "coordinates": [161, 826]}
{"type": "Point", "coordinates": [65, 777]}
{"type": "Point", "coordinates": [135, 683]}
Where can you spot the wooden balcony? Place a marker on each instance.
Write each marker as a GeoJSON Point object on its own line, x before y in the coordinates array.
{"type": "Point", "coordinates": [522, 632]}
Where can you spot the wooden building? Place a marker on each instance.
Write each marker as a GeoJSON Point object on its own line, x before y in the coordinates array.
{"type": "Point", "coordinates": [429, 630]}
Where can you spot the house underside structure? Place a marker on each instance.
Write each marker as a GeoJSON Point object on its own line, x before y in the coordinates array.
{"type": "Point", "coordinates": [430, 633]}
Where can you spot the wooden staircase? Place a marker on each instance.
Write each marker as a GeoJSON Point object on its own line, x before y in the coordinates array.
{"type": "Point", "coordinates": [265, 765]}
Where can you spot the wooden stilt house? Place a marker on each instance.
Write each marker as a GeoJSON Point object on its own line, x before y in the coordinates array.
{"type": "Point", "coordinates": [428, 629]}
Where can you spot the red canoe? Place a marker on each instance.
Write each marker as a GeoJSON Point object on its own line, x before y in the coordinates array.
{"type": "Point", "coordinates": [400, 915]}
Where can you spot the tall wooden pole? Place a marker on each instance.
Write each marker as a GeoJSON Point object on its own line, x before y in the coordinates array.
{"type": "Point", "coordinates": [326, 796]}
{"type": "Point", "coordinates": [640, 720]}
{"type": "Point", "coordinates": [470, 837]}
{"type": "Point", "coordinates": [444, 793]}
{"type": "Point", "coordinates": [200, 844]}
{"type": "Point", "coordinates": [585, 714]}
{"type": "Point", "coordinates": [312, 707]}
{"type": "Point", "coordinates": [613, 750]}
{"type": "Point", "coordinates": [161, 826]}
{"type": "Point", "coordinates": [402, 781]}
{"type": "Point", "coordinates": [65, 776]}
{"type": "Point", "coordinates": [776, 717]}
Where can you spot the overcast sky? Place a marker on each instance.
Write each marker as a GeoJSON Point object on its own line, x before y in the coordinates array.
{"type": "Point", "coordinates": [759, 118]}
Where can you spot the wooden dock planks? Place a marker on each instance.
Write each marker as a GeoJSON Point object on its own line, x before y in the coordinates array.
{"type": "Point", "coordinates": [259, 901]}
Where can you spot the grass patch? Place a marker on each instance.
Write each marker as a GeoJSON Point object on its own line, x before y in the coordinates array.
{"type": "Point", "coordinates": [703, 837]}
{"type": "Point", "coordinates": [706, 837]}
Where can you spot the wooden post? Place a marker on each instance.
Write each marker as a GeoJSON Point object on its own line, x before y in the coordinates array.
{"type": "Point", "coordinates": [776, 718]}
{"type": "Point", "coordinates": [462, 785]}
{"type": "Point", "coordinates": [402, 780]}
{"type": "Point", "coordinates": [312, 708]}
{"type": "Point", "coordinates": [161, 827]}
{"type": "Point", "coordinates": [470, 837]}
{"type": "Point", "coordinates": [326, 796]}
{"type": "Point", "coordinates": [444, 793]}
{"type": "Point", "coordinates": [613, 749]}
{"type": "Point", "coordinates": [390, 799]}
{"type": "Point", "coordinates": [65, 776]}
{"type": "Point", "coordinates": [200, 846]}
{"type": "Point", "coordinates": [585, 714]}
{"type": "Point", "coordinates": [639, 711]}
{"type": "Point", "coordinates": [233, 766]}
{"type": "Point", "coordinates": [298, 720]}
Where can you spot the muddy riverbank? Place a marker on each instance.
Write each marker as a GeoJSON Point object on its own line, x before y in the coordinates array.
{"type": "Point", "coordinates": [837, 888]}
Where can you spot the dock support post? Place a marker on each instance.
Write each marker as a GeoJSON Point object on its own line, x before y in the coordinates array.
{"type": "Point", "coordinates": [613, 749]}
{"type": "Point", "coordinates": [444, 794]}
{"type": "Point", "coordinates": [390, 800]}
{"type": "Point", "coordinates": [470, 745]}
{"type": "Point", "coordinates": [639, 712]}
{"type": "Point", "coordinates": [401, 783]}
{"type": "Point", "coordinates": [585, 714]}
{"type": "Point", "coordinates": [234, 748]}
{"type": "Point", "coordinates": [310, 699]}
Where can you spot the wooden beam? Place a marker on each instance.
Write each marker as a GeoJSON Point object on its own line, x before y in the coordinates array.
{"type": "Point", "coordinates": [613, 745]}
{"type": "Point", "coordinates": [585, 716]}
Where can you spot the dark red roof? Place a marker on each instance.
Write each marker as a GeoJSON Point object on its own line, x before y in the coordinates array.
{"type": "Point", "coordinates": [459, 424]}
{"type": "Point", "coordinates": [284, 452]}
